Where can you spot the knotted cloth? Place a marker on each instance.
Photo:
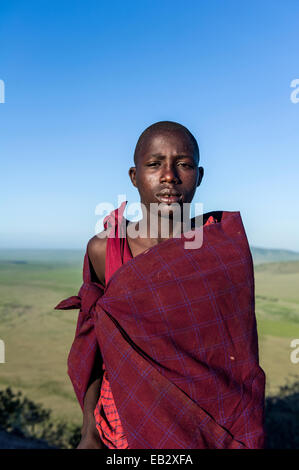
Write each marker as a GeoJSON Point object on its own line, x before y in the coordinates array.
{"type": "Point", "coordinates": [177, 332]}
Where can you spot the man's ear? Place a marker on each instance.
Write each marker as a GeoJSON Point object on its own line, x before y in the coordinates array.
{"type": "Point", "coordinates": [200, 175]}
{"type": "Point", "coordinates": [132, 174]}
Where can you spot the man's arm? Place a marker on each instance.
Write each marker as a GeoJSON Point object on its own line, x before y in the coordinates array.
{"type": "Point", "coordinates": [90, 436]}
{"type": "Point", "coordinates": [96, 250]}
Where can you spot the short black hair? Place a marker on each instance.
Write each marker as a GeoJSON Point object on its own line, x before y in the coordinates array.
{"type": "Point", "coordinates": [163, 126]}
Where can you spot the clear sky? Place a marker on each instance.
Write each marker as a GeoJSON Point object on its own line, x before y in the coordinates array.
{"type": "Point", "coordinates": [84, 78]}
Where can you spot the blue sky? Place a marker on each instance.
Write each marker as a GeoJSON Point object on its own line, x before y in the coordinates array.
{"type": "Point", "coordinates": [83, 79]}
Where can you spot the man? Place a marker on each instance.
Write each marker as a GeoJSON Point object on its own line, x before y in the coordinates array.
{"type": "Point", "coordinates": [174, 327]}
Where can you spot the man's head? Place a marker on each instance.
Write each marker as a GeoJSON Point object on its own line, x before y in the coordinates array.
{"type": "Point", "coordinates": [166, 162]}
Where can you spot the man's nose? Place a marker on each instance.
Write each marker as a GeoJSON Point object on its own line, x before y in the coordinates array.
{"type": "Point", "coordinates": [169, 174]}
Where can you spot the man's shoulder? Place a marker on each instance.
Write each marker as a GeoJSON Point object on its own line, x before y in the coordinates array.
{"type": "Point", "coordinates": [96, 246]}
{"type": "Point", "coordinates": [96, 250]}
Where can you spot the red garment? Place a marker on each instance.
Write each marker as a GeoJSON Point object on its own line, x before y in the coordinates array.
{"type": "Point", "coordinates": [106, 416]}
{"type": "Point", "coordinates": [177, 332]}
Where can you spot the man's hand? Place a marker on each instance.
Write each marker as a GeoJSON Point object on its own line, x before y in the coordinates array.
{"type": "Point", "coordinates": [91, 440]}
{"type": "Point", "coordinates": [90, 436]}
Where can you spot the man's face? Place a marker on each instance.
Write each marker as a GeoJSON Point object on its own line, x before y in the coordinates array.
{"type": "Point", "coordinates": [167, 169]}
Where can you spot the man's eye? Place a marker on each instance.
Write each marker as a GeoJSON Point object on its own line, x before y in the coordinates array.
{"type": "Point", "coordinates": [185, 164]}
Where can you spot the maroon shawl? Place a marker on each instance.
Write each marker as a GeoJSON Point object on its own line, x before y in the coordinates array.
{"type": "Point", "coordinates": [177, 332]}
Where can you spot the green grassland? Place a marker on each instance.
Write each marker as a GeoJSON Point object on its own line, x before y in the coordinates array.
{"type": "Point", "coordinates": [38, 338]}
{"type": "Point", "coordinates": [277, 313]}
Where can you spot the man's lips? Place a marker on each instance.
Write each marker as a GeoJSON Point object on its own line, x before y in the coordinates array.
{"type": "Point", "coordinates": [169, 197]}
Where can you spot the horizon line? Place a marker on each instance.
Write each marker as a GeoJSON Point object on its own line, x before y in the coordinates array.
{"type": "Point", "coordinates": [84, 248]}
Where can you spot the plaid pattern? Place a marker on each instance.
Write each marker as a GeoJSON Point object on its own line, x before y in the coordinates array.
{"type": "Point", "coordinates": [107, 419]}
{"type": "Point", "coordinates": [183, 366]}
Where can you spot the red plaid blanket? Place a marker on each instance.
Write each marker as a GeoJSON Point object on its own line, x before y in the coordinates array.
{"type": "Point", "coordinates": [177, 332]}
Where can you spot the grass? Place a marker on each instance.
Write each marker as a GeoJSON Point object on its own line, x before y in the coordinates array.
{"type": "Point", "coordinates": [38, 338]}
{"type": "Point", "coordinates": [277, 312]}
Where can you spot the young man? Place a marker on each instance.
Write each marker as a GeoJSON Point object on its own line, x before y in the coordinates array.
{"type": "Point", "coordinates": [165, 353]}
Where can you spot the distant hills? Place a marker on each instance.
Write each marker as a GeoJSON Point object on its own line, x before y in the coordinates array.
{"type": "Point", "coordinates": [54, 256]}
{"type": "Point", "coordinates": [75, 257]}
{"type": "Point", "coordinates": [268, 255]}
